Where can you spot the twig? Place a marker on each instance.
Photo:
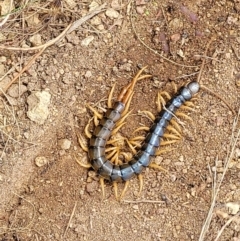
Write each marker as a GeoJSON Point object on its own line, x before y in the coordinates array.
{"type": "Point", "coordinates": [142, 201]}
{"type": "Point", "coordinates": [226, 224]}
{"type": "Point", "coordinates": [80, 21]}
{"type": "Point", "coordinates": [186, 75]}
{"type": "Point", "coordinates": [206, 57]}
{"type": "Point", "coordinates": [219, 97]}
{"type": "Point", "coordinates": [216, 189]}
{"type": "Point", "coordinates": [43, 46]}
{"type": "Point", "coordinates": [23, 70]}
{"type": "Point", "coordinates": [70, 219]}
{"type": "Point", "coordinates": [199, 80]}
{"type": "Point", "coordinates": [9, 71]}
{"type": "Point", "coordinates": [204, 61]}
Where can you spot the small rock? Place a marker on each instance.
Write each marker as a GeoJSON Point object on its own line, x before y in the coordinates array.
{"type": "Point", "coordinates": [73, 38]}
{"type": "Point", "coordinates": [180, 53]}
{"type": "Point", "coordinates": [135, 207]}
{"type": "Point", "coordinates": [175, 37]}
{"type": "Point", "coordinates": [41, 161]}
{"type": "Point", "coordinates": [26, 135]}
{"type": "Point", "coordinates": [40, 210]}
{"type": "Point", "coordinates": [173, 178]}
{"type": "Point", "coordinates": [2, 70]}
{"type": "Point", "coordinates": [3, 59]}
{"type": "Point", "coordinates": [158, 160]}
{"type": "Point", "coordinates": [101, 27]}
{"type": "Point", "coordinates": [238, 83]}
{"type": "Point", "coordinates": [234, 207]}
{"type": "Point", "coordinates": [176, 24]}
{"type": "Point", "coordinates": [179, 164]}
{"type": "Point", "coordinates": [222, 214]}
{"type": "Point", "coordinates": [140, 9]}
{"type": "Point", "coordinates": [93, 5]}
{"type": "Point", "coordinates": [33, 20]}
{"type": "Point", "coordinates": [85, 42]}
{"type": "Point", "coordinates": [112, 13]}
{"type": "Point", "coordinates": [71, 3]}
{"type": "Point", "coordinates": [96, 21]}
{"type": "Point", "coordinates": [36, 40]}
{"type": "Point", "coordinates": [181, 158]}
{"type": "Point", "coordinates": [17, 90]}
{"type": "Point", "coordinates": [166, 161]}
{"type": "Point", "coordinates": [231, 20]}
{"type": "Point", "coordinates": [88, 74]}
{"type": "Point", "coordinates": [38, 103]}
{"type": "Point", "coordinates": [64, 144]}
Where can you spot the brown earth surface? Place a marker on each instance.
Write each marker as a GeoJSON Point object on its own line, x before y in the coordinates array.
{"type": "Point", "coordinates": [60, 200]}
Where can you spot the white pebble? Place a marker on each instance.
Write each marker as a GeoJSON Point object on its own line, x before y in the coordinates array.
{"type": "Point", "coordinates": [234, 207]}
{"type": "Point", "coordinates": [64, 144]}
{"type": "Point", "coordinates": [85, 42]}
{"type": "Point", "coordinates": [36, 40]}
{"type": "Point", "coordinates": [41, 161]}
{"type": "Point", "coordinates": [38, 103]}
{"type": "Point", "coordinates": [111, 13]}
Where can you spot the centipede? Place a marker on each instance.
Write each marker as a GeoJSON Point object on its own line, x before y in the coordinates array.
{"type": "Point", "coordinates": [111, 121]}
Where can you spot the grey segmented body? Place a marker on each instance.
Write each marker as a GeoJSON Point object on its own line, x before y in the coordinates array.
{"type": "Point", "coordinates": [142, 159]}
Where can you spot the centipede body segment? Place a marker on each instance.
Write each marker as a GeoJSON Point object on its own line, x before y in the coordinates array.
{"type": "Point", "coordinates": [96, 151]}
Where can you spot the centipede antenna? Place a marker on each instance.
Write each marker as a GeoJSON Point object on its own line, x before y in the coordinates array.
{"type": "Point", "coordinates": [126, 91]}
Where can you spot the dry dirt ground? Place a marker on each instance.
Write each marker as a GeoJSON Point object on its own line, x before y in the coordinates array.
{"type": "Point", "coordinates": [57, 199]}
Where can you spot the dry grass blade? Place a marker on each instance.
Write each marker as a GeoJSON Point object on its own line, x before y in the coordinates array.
{"type": "Point", "coordinates": [142, 201]}
{"type": "Point", "coordinates": [226, 224]}
{"type": "Point", "coordinates": [70, 219]}
{"type": "Point", "coordinates": [234, 139]}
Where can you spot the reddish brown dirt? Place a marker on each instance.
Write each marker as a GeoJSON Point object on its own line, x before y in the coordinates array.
{"type": "Point", "coordinates": [37, 202]}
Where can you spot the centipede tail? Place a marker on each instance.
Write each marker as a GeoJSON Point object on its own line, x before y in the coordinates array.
{"type": "Point", "coordinates": [142, 159]}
